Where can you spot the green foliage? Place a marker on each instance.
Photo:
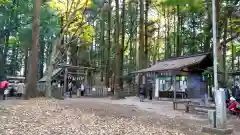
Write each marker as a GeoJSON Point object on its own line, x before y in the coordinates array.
{"type": "Point", "coordinates": [16, 19]}
{"type": "Point", "coordinates": [187, 5]}
{"type": "Point", "coordinates": [4, 2]}
{"type": "Point", "coordinates": [78, 27]}
{"type": "Point", "coordinates": [235, 24]}
{"type": "Point", "coordinates": [13, 41]}
{"type": "Point", "coordinates": [98, 3]}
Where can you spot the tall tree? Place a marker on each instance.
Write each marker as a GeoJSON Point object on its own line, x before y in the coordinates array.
{"type": "Point", "coordinates": [122, 44]}
{"type": "Point", "coordinates": [146, 45]}
{"type": "Point", "coordinates": [141, 40]}
{"type": "Point", "coordinates": [108, 45]}
{"type": "Point", "coordinates": [102, 42]}
{"type": "Point", "coordinates": [118, 54]}
{"type": "Point", "coordinates": [31, 89]}
{"type": "Point", "coordinates": [178, 47]}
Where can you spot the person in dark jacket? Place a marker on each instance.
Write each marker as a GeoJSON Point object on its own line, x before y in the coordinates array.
{"type": "Point", "coordinates": [150, 89]}
{"type": "Point", "coordinates": [141, 92]}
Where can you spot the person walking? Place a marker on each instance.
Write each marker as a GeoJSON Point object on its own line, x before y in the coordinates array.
{"type": "Point", "coordinates": [20, 89]}
{"type": "Point", "coordinates": [70, 88]}
{"type": "Point", "coordinates": [82, 90]}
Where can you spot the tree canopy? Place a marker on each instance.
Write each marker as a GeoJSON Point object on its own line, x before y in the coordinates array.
{"type": "Point", "coordinates": [117, 37]}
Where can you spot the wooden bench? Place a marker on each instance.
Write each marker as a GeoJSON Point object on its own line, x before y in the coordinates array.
{"type": "Point", "coordinates": [175, 103]}
{"type": "Point", "coordinates": [178, 93]}
{"type": "Point", "coordinates": [198, 108]}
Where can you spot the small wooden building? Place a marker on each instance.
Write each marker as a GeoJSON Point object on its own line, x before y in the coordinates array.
{"type": "Point", "coordinates": [180, 77]}
{"type": "Point", "coordinates": [66, 72]}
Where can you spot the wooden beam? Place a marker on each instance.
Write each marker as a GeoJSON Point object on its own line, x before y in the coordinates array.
{"type": "Point", "coordinates": [74, 73]}
{"type": "Point", "coordinates": [73, 67]}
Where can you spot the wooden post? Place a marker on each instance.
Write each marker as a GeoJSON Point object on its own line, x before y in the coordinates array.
{"type": "Point", "coordinates": [65, 80]}
{"type": "Point", "coordinates": [86, 77]}
{"type": "Point", "coordinates": [174, 86]}
{"type": "Point", "coordinates": [78, 82]}
{"type": "Point", "coordinates": [86, 80]}
{"type": "Point", "coordinates": [91, 80]}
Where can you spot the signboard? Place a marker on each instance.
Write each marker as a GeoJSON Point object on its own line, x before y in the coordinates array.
{"type": "Point", "coordinates": [77, 78]}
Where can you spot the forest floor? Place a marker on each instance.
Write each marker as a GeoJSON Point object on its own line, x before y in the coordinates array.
{"type": "Point", "coordinates": [97, 116]}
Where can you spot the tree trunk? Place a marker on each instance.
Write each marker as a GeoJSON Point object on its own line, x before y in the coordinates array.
{"type": "Point", "coordinates": [233, 49]}
{"type": "Point", "coordinates": [122, 44]}
{"type": "Point", "coordinates": [140, 53]}
{"type": "Point", "coordinates": [13, 61]}
{"type": "Point", "coordinates": [141, 37]}
{"type": "Point", "coordinates": [225, 75]}
{"type": "Point", "coordinates": [102, 43]}
{"type": "Point", "coordinates": [219, 48]}
{"type": "Point", "coordinates": [41, 59]}
{"type": "Point", "coordinates": [107, 68]}
{"type": "Point", "coordinates": [118, 55]}
{"type": "Point", "coordinates": [31, 89]}
{"type": "Point", "coordinates": [6, 47]}
{"type": "Point", "coordinates": [25, 62]}
{"type": "Point", "coordinates": [130, 27]}
{"type": "Point", "coordinates": [165, 32]}
{"type": "Point", "coordinates": [208, 28]}
{"type": "Point", "coordinates": [147, 2]}
{"type": "Point", "coordinates": [178, 48]}
{"type": "Point", "coordinates": [64, 59]}
{"type": "Point", "coordinates": [193, 37]}
{"type": "Point", "coordinates": [168, 33]}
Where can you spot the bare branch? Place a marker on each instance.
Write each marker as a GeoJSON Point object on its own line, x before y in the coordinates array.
{"type": "Point", "coordinates": [65, 27]}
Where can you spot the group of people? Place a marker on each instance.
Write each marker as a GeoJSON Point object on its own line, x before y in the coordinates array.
{"type": "Point", "coordinates": [233, 102]}
{"type": "Point", "coordinates": [72, 87]}
{"type": "Point", "coordinates": [18, 89]}
{"type": "Point", "coordinates": [79, 87]}
{"type": "Point", "coordinates": [144, 90]}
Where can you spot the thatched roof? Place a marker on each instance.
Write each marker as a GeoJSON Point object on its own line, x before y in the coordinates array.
{"type": "Point", "coordinates": [176, 63]}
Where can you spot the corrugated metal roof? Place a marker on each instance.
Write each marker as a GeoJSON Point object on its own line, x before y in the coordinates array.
{"type": "Point", "coordinates": [55, 72]}
{"type": "Point", "coordinates": [174, 63]}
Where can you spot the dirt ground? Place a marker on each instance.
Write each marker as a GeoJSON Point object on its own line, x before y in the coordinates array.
{"type": "Point", "coordinates": [93, 116]}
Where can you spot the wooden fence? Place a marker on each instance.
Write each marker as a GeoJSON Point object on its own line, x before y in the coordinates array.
{"type": "Point", "coordinates": [97, 92]}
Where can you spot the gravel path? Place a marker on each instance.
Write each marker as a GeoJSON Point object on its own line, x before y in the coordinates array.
{"type": "Point", "coordinates": [89, 117]}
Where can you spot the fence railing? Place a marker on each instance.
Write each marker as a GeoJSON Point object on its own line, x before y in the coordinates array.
{"type": "Point", "coordinates": [97, 92]}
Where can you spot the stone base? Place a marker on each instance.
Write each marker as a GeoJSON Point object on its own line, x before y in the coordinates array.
{"type": "Point", "coordinates": [217, 131]}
